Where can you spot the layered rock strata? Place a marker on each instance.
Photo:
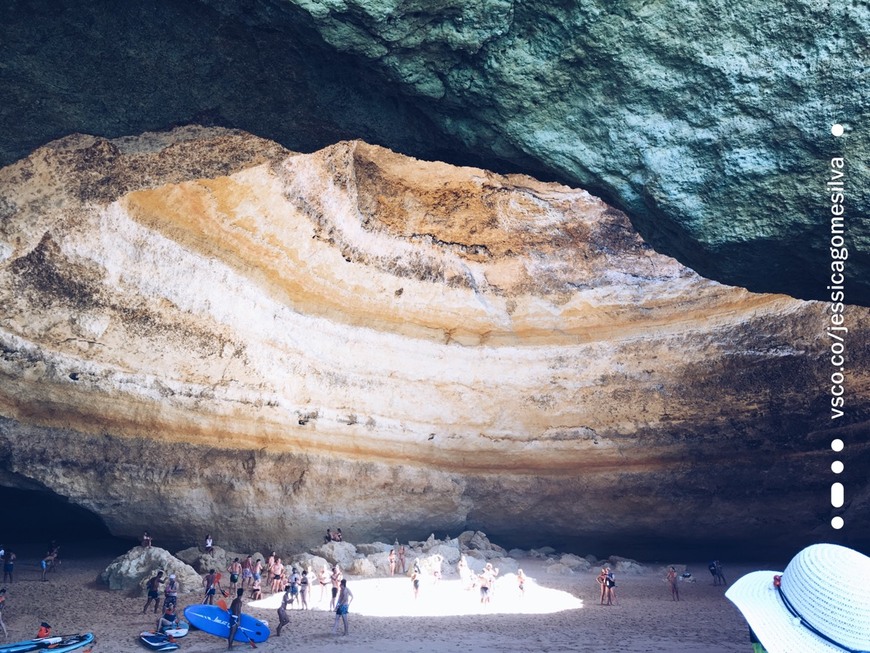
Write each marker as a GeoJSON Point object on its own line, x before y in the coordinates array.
{"type": "Point", "coordinates": [204, 332]}
{"type": "Point", "coordinates": [709, 125]}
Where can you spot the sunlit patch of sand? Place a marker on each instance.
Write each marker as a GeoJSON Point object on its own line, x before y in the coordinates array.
{"type": "Point", "coordinates": [394, 597]}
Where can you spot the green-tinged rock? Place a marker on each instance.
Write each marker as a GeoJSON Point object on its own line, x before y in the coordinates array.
{"type": "Point", "coordinates": [710, 125]}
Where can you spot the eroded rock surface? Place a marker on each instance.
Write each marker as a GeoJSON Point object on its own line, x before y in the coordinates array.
{"type": "Point", "coordinates": [709, 126]}
{"type": "Point", "coordinates": [203, 332]}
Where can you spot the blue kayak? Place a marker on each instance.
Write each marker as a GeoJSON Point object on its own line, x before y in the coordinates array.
{"type": "Point", "coordinates": [60, 644]}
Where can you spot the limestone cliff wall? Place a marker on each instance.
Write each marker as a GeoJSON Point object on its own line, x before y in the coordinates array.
{"type": "Point", "coordinates": [202, 331]}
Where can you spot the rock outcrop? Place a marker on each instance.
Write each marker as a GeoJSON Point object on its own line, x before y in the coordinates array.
{"type": "Point", "coordinates": [714, 137]}
{"type": "Point", "coordinates": [134, 569]}
{"type": "Point", "coordinates": [203, 332]}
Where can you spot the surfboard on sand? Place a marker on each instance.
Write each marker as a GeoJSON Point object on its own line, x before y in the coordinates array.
{"type": "Point", "coordinates": [157, 642]}
{"type": "Point", "coordinates": [179, 630]}
{"type": "Point", "coordinates": [215, 621]}
{"type": "Point", "coordinates": [59, 644]}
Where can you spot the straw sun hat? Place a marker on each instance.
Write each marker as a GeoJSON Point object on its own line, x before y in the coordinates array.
{"type": "Point", "coordinates": [819, 604]}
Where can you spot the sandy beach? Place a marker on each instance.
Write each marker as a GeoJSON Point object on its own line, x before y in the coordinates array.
{"type": "Point", "coordinates": [646, 619]}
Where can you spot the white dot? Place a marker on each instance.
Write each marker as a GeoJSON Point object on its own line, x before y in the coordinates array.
{"type": "Point", "coordinates": [837, 445]}
{"type": "Point", "coordinates": [837, 467]}
{"type": "Point", "coordinates": [837, 130]}
{"type": "Point", "coordinates": [837, 523]}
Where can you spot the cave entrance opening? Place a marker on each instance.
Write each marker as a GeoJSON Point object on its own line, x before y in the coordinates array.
{"type": "Point", "coordinates": [31, 519]}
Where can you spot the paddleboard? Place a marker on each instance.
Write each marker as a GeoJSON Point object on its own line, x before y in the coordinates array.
{"type": "Point", "coordinates": [157, 642]}
{"type": "Point", "coordinates": [180, 630]}
{"type": "Point", "coordinates": [215, 621]}
{"type": "Point", "coordinates": [60, 644]}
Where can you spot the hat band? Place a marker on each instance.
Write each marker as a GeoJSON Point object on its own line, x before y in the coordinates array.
{"type": "Point", "coordinates": [806, 624]}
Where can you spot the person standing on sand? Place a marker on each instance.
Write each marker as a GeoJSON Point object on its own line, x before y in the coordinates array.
{"type": "Point", "coordinates": [235, 569]}
{"type": "Point", "coordinates": [235, 617]}
{"type": "Point", "coordinates": [46, 563]}
{"type": "Point", "coordinates": [211, 585]}
{"type": "Point", "coordinates": [8, 566]}
{"type": "Point", "coordinates": [521, 580]}
{"type": "Point", "coordinates": [720, 575]}
{"type": "Point", "coordinates": [392, 559]}
{"type": "Point", "coordinates": [303, 590]}
{"type": "Point", "coordinates": [323, 579]}
{"type": "Point", "coordinates": [416, 574]}
{"type": "Point", "coordinates": [247, 572]}
{"type": "Point", "coordinates": [170, 593]}
{"type": "Point", "coordinates": [153, 588]}
{"type": "Point", "coordinates": [609, 587]}
{"type": "Point", "coordinates": [345, 596]}
{"type": "Point", "coordinates": [671, 578]}
{"type": "Point", "coordinates": [283, 617]}
{"type": "Point", "coordinates": [487, 580]}
{"type": "Point", "coordinates": [402, 558]}
{"type": "Point", "coordinates": [600, 580]}
{"type": "Point", "coordinates": [336, 579]}
{"type": "Point", "coordinates": [3, 605]}
{"type": "Point", "coordinates": [277, 572]}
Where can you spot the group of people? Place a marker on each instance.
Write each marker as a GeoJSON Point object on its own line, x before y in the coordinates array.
{"type": "Point", "coordinates": [606, 580]}
{"type": "Point", "coordinates": [49, 562]}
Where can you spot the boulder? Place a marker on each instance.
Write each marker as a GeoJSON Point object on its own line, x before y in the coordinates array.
{"type": "Point", "coordinates": [558, 569]}
{"type": "Point", "coordinates": [341, 553]}
{"type": "Point", "coordinates": [362, 567]}
{"type": "Point", "coordinates": [575, 562]}
{"type": "Point", "coordinates": [374, 547]}
{"type": "Point", "coordinates": [309, 561]}
{"type": "Point", "coordinates": [134, 569]}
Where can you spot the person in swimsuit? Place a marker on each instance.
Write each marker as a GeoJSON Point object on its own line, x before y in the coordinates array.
{"type": "Point", "coordinates": [283, 617]}
{"type": "Point", "coordinates": [671, 578]}
{"type": "Point", "coordinates": [402, 559]}
{"type": "Point", "coordinates": [610, 587]}
{"type": "Point", "coordinates": [235, 617]}
{"type": "Point", "coordinates": [336, 579]}
{"type": "Point", "coordinates": [345, 596]}
{"type": "Point", "coordinates": [277, 571]}
{"type": "Point", "coordinates": [521, 581]}
{"type": "Point", "coordinates": [211, 584]}
{"type": "Point", "coordinates": [153, 588]}
{"type": "Point", "coordinates": [256, 591]}
{"type": "Point", "coordinates": [416, 575]}
{"type": "Point", "coordinates": [392, 559]}
{"type": "Point", "coordinates": [303, 590]}
{"type": "Point", "coordinates": [600, 580]}
{"type": "Point", "coordinates": [294, 580]}
{"type": "Point", "coordinates": [323, 579]}
{"type": "Point", "coordinates": [168, 620]}
{"type": "Point", "coordinates": [247, 572]}
{"type": "Point", "coordinates": [235, 569]}
{"type": "Point", "coordinates": [146, 540]}
{"type": "Point", "coordinates": [170, 593]}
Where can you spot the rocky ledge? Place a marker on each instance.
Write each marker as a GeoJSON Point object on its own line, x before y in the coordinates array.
{"type": "Point", "coordinates": [204, 332]}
